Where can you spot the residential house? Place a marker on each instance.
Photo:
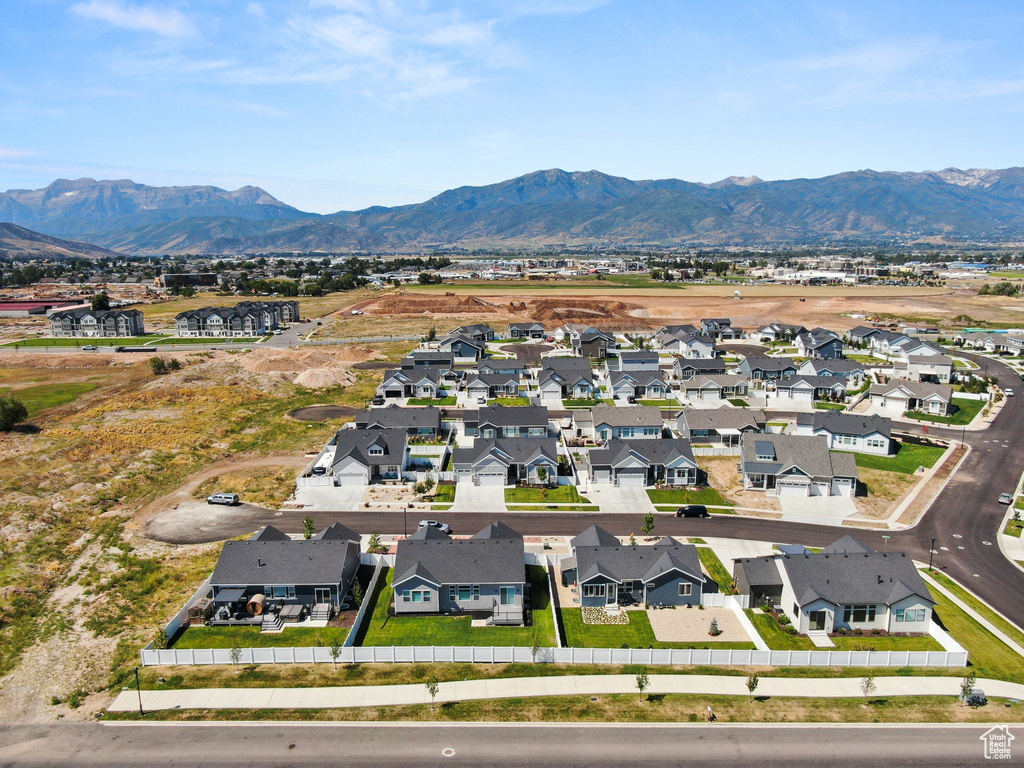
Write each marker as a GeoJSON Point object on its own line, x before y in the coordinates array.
{"type": "Point", "coordinates": [88, 323]}
{"type": "Point", "coordinates": [566, 377]}
{"type": "Point", "coordinates": [593, 344]}
{"type": "Point", "coordinates": [719, 425]}
{"type": "Point", "coordinates": [477, 332]}
{"type": "Point", "coordinates": [417, 422]}
{"type": "Point", "coordinates": [491, 385]}
{"type": "Point", "coordinates": [720, 328]}
{"type": "Point", "coordinates": [902, 396]}
{"type": "Point", "coordinates": [526, 331]}
{"type": "Point", "coordinates": [720, 387]}
{"type": "Point", "coordinates": [849, 431]}
{"type": "Point", "coordinates": [851, 370]}
{"type": "Point", "coordinates": [819, 343]}
{"type": "Point", "coordinates": [993, 343]}
{"type": "Point", "coordinates": [779, 332]}
{"type": "Point", "coordinates": [936, 369]}
{"type": "Point", "coordinates": [247, 318]}
{"type": "Point", "coordinates": [483, 576]}
{"type": "Point", "coordinates": [684, 369]}
{"type": "Point", "coordinates": [430, 358]}
{"type": "Point", "coordinates": [421, 381]}
{"type": "Point", "coordinates": [838, 590]}
{"type": "Point", "coordinates": [610, 574]}
{"type": "Point", "coordinates": [634, 360]}
{"type": "Point", "coordinates": [644, 463]}
{"type": "Point", "coordinates": [673, 330]}
{"type": "Point", "coordinates": [862, 335]}
{"type": "Point", "coordinates": [633, 421]}
{"type": "Point", "coordinates": [506, 421]}
{"type": "Point", "coordinates": [270, 577]}
{"type": "Point", "coordinates": [507, 461]}
{"type": "Point", "coordinates": [695, 347]}
{"type": "Point", "coordinates": [506, 365]}
{"type": "Point", "coordinates": [463, 347]}
{"type": "Point", "coordinates": [765, 368]}
{"type": "Point", "coordinates": [564, 333]}
{"type": "Point", "coordinates": [643, 385]}
{"type": "Point", "coordinates": [786, 465]}
{"type": "Point", "coordinates": [364, 456]}
{"type": "Point", "coordinates": [809, 388]}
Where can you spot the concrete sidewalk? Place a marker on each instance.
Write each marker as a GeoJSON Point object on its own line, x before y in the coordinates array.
{"type": "Point", "coordinates": [569, 685]}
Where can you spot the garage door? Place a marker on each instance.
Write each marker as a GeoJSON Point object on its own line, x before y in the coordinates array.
{"type": "Point", "coordinates": [392, 393]}
{"type": "Point", "coordinates": [633, 478]}
{"type": "Point", "coordinates": [351, 478]}
{"type": "Point", "coordinates": [821, 489]}
{"type": "Point", "coordinates": [490, 478]}
{"type": "Point", "coordinates": [805, 396]}
{"type": "Point", "coordinates": [792, 489]}
{"type": "Point", "coordinates": [710, 394]}
{"type": "Point", "coordinates": [602, 476]}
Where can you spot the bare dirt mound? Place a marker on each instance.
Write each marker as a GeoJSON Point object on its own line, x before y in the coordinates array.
{"type": "Point", "coordinates": [13, 358]}
{"type": "Point", "coordinates": [603, 314]}
{"type": "Point", "coordinates": [313, 368]}
{"type": "Point", "coordinates": [448, 304]}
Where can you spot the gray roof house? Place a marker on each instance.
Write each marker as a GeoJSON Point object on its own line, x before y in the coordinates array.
{"type": "Point", "coordinates": [720, 387]}
{"type": "Point", "coordinates": [491, 385]}
{"type": "Point", "coordinates": [363, 456]}
{"type": "Point", "coordinates": [819, 343]}
{"type": "Point", "coordinates": [851, 370]}
{"type": "Point", "coordinates": [808, 388]}
{"type": "Point", "coordinates": [526, 331]}
{"type": "Point", "coordinates": [462, 346]}
{"type": "Point", "coordinates": [270, 577]}
{"type": "Point", "coordinates": [779, 331]}
{"type": "Point", "coordinates": [719, 425]}
{"type": "Point", "coordinates": [936, 369]}
{"type": "Point", "coordinates": [634, 360]}
{"type": "Point", "coordinates": [566, 377]}
{"type": "Point", "coordinates": [849, 431]}
{"type": "Point", "coordinates": [684, 368]}
{"type": "Point", "coordinates": [593, 343]}
{"type": "Point", "coordinates": [899, 397]}
{"type": "Point", "coordinates": [506, 421]}
{"type": "Point", "coordinates": [420, 381]}
{"type": "Point", "coordinates": [648, 385]}
{"type": "Point", "coordinates": [507, 461]}
{"type": "Point", "coordinates": [763, 367]}
{"type": "Point", "coordinates": [845, 587]}
{"type": "Point", "coordinates": [477, 332]}
{"type": "Point", "coordinates": [720, 328]}
{"type": "Point", "coordinates": [424, 421]}
{"type": "Point", "coordinates": [609, 573]}
{"type": "Point", "coordinates": [428, 357]}
{"type": "Point", "coordinates": [637, 421]}
{"type": "Point", "coordinates": [698, 346]}
{"type": "Point", "coordinates": [795, 465]}
{"type": "Point", "coordinates": [501, 365]}
{"type": "Point", "coordinates": [644, 463]}
{"type": "Point", "coordinates": [484, 576]}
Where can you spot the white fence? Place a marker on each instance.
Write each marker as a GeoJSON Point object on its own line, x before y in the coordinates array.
{"type": "Point", "coordinates": [181, 616]}
{"type": "Point", "coordinates": [715, 449]}
{"type": "Point", "coordinates": [972, 395]}
{"type": "Point", "coordinates": [720, 600]}
{"type": "Point", "coordinates": [509, 654]}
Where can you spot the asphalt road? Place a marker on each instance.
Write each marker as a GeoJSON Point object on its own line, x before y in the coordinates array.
{"type": "Point", "coordinates": [366, 744]}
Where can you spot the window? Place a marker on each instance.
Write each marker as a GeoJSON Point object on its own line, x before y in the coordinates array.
{"type": "Point", "coordinates": [465, 592]}
{"type": "Point", "coordinates": [858, 614]}
{"type": "Point", "coordinates": [627, 586]}
{"type": "Point", "coordinates": [406, 596]}
{"type": "Point", "coordinates": [594, 590]}
{"type": "Point", "coordinates": [507, 595]}
{"type": "Point", "coordinates": [685, 589]}
{"type": "Point", "coordinates": [376, 451]}
{"type": "Point", "coordinates": [699, 433]}
{"type": "Point", "coordinates": [910, 614]}
{"type": "Point", "coordinates": [279, 593]}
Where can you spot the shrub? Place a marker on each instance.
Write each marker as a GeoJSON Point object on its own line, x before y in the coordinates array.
{"type": "Point", "coordinates": [11, 412]}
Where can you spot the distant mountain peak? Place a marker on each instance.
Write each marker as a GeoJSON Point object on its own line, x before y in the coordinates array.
{"type": "Point", "coordinates": [737, 181]}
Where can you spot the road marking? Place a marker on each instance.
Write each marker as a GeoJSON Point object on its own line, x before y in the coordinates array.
{"type": "Point", "coordinates": [957, 536]}
{"type": "Point", "coordinates": [447, 752]}
{"type": "Point", "coordinates": [977, 576]}
{"type": "Point", "coordinates": [987, 543]}
{"type": "Point", "coordinates": [944, 549]}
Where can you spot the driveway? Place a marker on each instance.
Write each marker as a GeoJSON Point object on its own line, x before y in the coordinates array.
{"type": "Point", "coordinates": [618, 499]}
{"type": "Point", "coordinates": [823, 510]}
{"type": "Point", "coordinates": [479, 498]}
{"type": "Point", "coordinates": [343, 498]}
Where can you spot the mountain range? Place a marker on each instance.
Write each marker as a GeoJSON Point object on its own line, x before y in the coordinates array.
{"type": "Point", "coordinates": [17, 241]}
{"type": "Point", "coordinates": [542, 208]}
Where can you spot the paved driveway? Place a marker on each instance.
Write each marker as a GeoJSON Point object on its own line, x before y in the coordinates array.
{"type": "Point", "coordinates": [343, 498]}
{"type": "Point", "coordinates": [612, 499]}
{"type": "Point", "coordinates": [823, 510]}
{"type": "Point", "coordinates": [479, 498]}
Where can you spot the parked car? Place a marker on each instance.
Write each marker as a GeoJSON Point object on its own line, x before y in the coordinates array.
{"type": "Point", "coordinates": [277, 331]}
{"type": "Point", "coordinates": [90, 347]}
{"type": "Point", "coordinates": [1009, 392]}
{"type": "Point", "coordinates": [378, 399]}
{"type": "Point", "coordinates": [482, 400]}
{"type": "Point", "coordinates": [693, 510]}
{"type": "Point", "coordinates": [1005, 498]}
{"type": "Point", "coordinates": [442, 527]}
{"type": "Point", "coordinates": [319, 471]}
{"type": "Point", "coordinates": [229, 499]}
{"type": "Point", "coordinates": [630, 399]}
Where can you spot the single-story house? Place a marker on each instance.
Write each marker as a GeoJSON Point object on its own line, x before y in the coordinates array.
{"type": "Point", "coordinates": [796, 465]}
{"type": "Point", "coordinates": [610, 573]}
{"type": "Point", "coordinates": [644, 463]}
{"type": "Point", "coordinates": [363, 456]}
{"type": "Point", "coordinates": [506, 421]}
{"type": "Point", "coordinates": [526, 331]}
{"type": "Point", "coordinates": [257, 579]}
{"type": "Point", "coordinates": [420, 381]}
{"type": "Point", "coordinates": [819, 343]}
{"type": "Point", "coordinates": [507, 461]}
{"type": "Point", "coordinates": [634, 360]}
{"type": "Point", "coordinates": [779, 332]}
{"type": "Point", "coordinates": [692, 347]}
{"type": "Point", "coordinates": [593, 343]}
{"type": "Point", "coordinates": [482, 576]}
{"type": "Point", "coordinates": [936, 369]}
{"type": "Point", "coordinates": [851, 370]}
{"type": "Point", "coordinates": [757, 367]}
{"type": "Point", "coordinates": [849, 431]}
{"type": "Point", "coordinates": [808, 388]}
{"type": "Point", "coordinates": [502, 365]}
{"type": "Point", "coordinates": [903, 396]}
{"type": "Point", "coordinates": [488, 385]}
{"type": "Point", "coordinates": [638, 421]}
{"type": "Point", "coordinates": [477, 332]}
{"type": "Point", "coordinates": [720, 387]}
{"type": "Point", "coordinates": [684, 369]}
{"type": "Point", "coordinates": [719, 425]}
{"type": "Point", "coordinates": [566, 377]}
{"type": "Point", "coordinates": [421, 422]}
{"type": "Point", "coordinates": [835, 589]}
{"type": "Point", "coordinates": [648, 385]}
{"type": "Point", "coordinates": [434, 358]}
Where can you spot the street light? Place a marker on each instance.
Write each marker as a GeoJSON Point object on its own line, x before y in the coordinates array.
{"type": "Point", "coordinates": [138, 687]}
{"type": "Point", "coordinates": [405, 519]}
{"type": "Point", "coordinates": [931, 553]}
{"type": "Point", "coordinates": [885, 542]}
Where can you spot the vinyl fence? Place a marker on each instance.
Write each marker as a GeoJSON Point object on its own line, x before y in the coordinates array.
{"type": "Point", "coordinates": [509, 654]}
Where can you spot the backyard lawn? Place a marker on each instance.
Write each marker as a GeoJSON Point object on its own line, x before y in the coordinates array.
{"type": "Point", "coordinates": [989, 656]}
{"type": "Point", "coordinates": [906, 460]}
{"type": "Point", "coordinates": [780, 640]}
{"type": "Point", "coordinates": [251, 637]}
{"type": "Point", "coordinates": [432, 400]}
{"type": "Point", "coordinates": [456, 630]}
{"type": "Point", "coordinates": [965, 412]}
{"type": "Point", "coordinates": [637, 634]}
{"type": "Point", "coordinates": [680, 496]}
{"type": "Point", "coordinates": [509, 401]}
{"type": "Point", "coordinates": [561, 494]}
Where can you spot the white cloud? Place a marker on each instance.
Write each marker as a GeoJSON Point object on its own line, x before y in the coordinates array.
{"type": "Point", "coordinates": [13, 153]}
{"type": "Point", "coordinates": [167, 22]}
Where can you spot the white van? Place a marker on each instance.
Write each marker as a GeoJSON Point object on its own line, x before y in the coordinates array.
{"type": "Point", "coordinates": [231, 499]}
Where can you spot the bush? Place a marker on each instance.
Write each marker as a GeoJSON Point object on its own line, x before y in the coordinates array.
{"type": "Point", "coordinates": [11, 412]}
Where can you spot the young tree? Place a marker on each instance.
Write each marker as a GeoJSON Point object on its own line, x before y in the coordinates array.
{"type": "Point", "coordinates": [357, 592]}
{"type": "Point", "coordinates": [632, 539]}
{"type": "Point", "coordinates": [752, 682]}
{"type": "Point", "coordinates": [374, 544]}
{"type": "Point", "coordinates": [535, 648]}
{"type": "Point", "coordinates": [642, 682]}
{"type": "Point", "coordinates": [235, 654]}
{"type": "Point", "coordinates": [307, 527]}
{"type": "Point", "coordinates": [867, 685]}
{"type": "Point", "coordinates": [542, 473]}
{"type": "Point", "coordinates": [432, 688]}
{"type": "Point", "coordinates": [432, 333]}
{"type": "Point", "coordinates": [157, 365]}
{"type": "Point", "coordinates": [335, 652]}
{"type": "Point", "coordinates": [648, 525]}
{"type": "Point", "coordinates": [11, 412]}
{"type": "Point", "coordinates": [428, 484]}
{"type": "Point", "coordinates": [967, 686]}
{"type": "Point", "coordinates": [713, 630]}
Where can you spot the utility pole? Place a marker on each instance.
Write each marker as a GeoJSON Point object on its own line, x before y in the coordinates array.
{"type": "Point", "coordinates": [138, 687]}
{"type": "Point", "coordinates": [405, 519]}
{"type": "Point", "coordinates": [931, 553]}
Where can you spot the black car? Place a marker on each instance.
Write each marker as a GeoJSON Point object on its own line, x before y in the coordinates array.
{"type": "Point", "coordinates": [378, 400]}
{"type": "Point", "coordinates": [693, 510]}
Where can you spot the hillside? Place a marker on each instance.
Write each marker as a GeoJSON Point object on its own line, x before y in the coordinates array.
{"type": "Point", "coordinates": [545, 207]}
{"type": "Point", "coordinates": [21, 242]}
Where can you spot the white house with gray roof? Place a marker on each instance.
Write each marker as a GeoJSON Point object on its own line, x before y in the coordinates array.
{"type": "Point", "coordinates": [634, 421]}
{"type": "Point", "coordinates": [848, 431]}
{"type": "Point", "coordinates": [648, 385]}
{"type": "Point", "coordinates": [810, 388]}
{"type": "Point", "coordinates": [364, 456]}
{"type": "Point", "coordinates": [719, 425]}
{"type": "Point", "coordinates": [898, 397]}
{"type": "Point", "coordinates": [795, 465]}
{"type": "Point", "coordinates": [845, 587]}
{"type": "Point", "coordinates": [507, 461]}
{"type": "Point", "coordinates": [937, 369]}
{"type": "Point", "coordinates": [566, 377]}
{"type": "Point", "coordinates": [851, 370]}
{"type": "Point", "coordinates": [633, 360]}
{"type": "Point", "coordinates": [506, 421]}
{"type": "Point", "coordinates": [720, 387]}
{"type": "Point", "coordinates": [819, 343]}
{"type": "Point", "coordinates": [644, 463]}
{"type": "Point", "coordinates": [492, 385]}
{"type": "Point", "coordinates": [684, 369]}
{"type": "Point", "coordinates": [483, 576]}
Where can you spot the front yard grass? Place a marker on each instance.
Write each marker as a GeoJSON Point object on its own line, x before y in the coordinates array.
{"type": "Point", "coordinates": [637, 634]}
{"type": "Point", "coordinates": [774, 635]}
{"type": "Point", "coordinates": [456, 630]}
{"type": "Point", "coordinates": [829, 406]}
{"type": "Point", "coordinates": [509, 401]}
{"type": "Point", "coordinates": [561, 494]}
{"type": "Point", "coordinates": [1013, 528]}
{"type": "Point", "coordinates": [50, 341]}
{"type": "Point", "coordinates": [663, 403]}
{"type": "Point", "coordinates": [988, 655]}
{"type": "Point", "coordinates": [570, 403]}
{"type": "Point", "coordinates": [1011, 630]}
{"type": "Point", "coordinates": [906, 460]}
{"type": "Point", "coordinates": [432, 400]}
{"type": "Point", "coordinates": [715, 569]}
{"type": "Point", "coordinates": [251, 637]}
{"type": "Point", "coordinates": [680, 496]}
{"type": "Point", "coordinates": [739, 402]}
{"type": "Point", "coordinates": [965, 412]}
{"type": "Point", "coordinates": [444, 494]}
{"type": "Point", "coordinates": [780, 640]}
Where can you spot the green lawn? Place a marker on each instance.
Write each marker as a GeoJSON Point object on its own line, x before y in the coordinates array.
{"type": "Point", "coordinates": [251, 637]}
{"type": "Point", "coordinates": [865, 359]}
{"type": "Point", "coordinates": [959, 363]}
{"type": "Point", "coordinates": [780, 640]}
{"type": "Point", "coordinates": [664, 403]}
{"type": "Point", "coordinates": [81, 342]}
{"type": "Point", "coordinates": [444, 493]}
{"type": "Point", "coordinates": [829, 406]}
{"type": "Point", "coordinates": [906, 460]}
{"type": "Point", "coordinates": [561, 494]}
{"type": "Point", "coordinates": [1013, 528]}
{"type": "Point", "coordinates": [965, 412]}
{"type": "Point", "coordinates": [706, 495]}
{"type": "Point", "coordinates": [42, 396]}
{"type": "Point", "coordinates": [777, 638]}
{"type": "Point", "coordinates": [989, 656]}
{"type": "Point", "coordinates": [713, 565]}
{"type": "Point", "coordinates": [637, 634]}
{"type": "Point", "coordinates": [432, 401]}
{"type": "Point", "coordinates": [209, 340]}
{"type": "Point", "coordinates": [1011, 630]}
{"type": "Point", "coordinates": [586, 403]}
{"type": "Point", "coordinates": [456, 630]}
{"type": "Point", "coordinates": [739, 402]}
{"type": "Point", "coordinates": [509, 401]}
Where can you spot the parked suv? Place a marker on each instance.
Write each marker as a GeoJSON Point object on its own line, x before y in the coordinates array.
{"type": "Point", "coordinates": [230, 499]}
{"type": "Point", "coordinates": [693, 510]}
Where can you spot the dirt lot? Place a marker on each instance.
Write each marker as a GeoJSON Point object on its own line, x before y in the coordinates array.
{"type": "Point", "coordinates": [724, 478]}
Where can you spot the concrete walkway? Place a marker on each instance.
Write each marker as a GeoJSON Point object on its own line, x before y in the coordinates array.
{"type": "Point", "coordinates": [569, 685]}
{"type": "Point", "coordinates": [975, 615]}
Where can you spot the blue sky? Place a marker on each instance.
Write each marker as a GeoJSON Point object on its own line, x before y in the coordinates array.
{"type": "Point", "coordinates": [342, 104]}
